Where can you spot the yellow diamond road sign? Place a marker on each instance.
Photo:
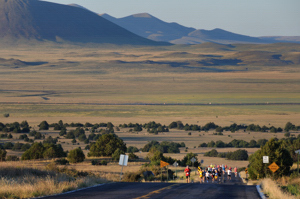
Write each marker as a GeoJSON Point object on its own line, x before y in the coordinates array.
{"type": "Point", "coordinates": [163, 164]}
{"type": "Point", "coordinates": [273, 167]}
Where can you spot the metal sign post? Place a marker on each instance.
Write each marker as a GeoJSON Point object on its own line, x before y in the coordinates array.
{"type": "Point", "coordinates": [298, 152]}
{"type": "Point", "coordinates": [273, 167]}
{"type": "Point", "coordinates": [162, 165]}
{"type": "Point", "coordinates": [193, 160]}
{"type": "Point", "coordinates": [123, 162]}
{"type": "Point", "coordinates": [175, 165]}
{"type": "Point", "coordinates": [266, 161]}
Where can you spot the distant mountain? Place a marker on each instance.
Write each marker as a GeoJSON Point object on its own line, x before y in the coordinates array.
{"type": "Point", "coordinates": [78, 6]}
{"type": "Point", "coordinates": [217, 36]}
{"type": "Point", "coordinates": [273, 39]}
{"type": "Point", "coordinates": [40, 20]}
{"type": "Point", "coordinates": [148, 26]}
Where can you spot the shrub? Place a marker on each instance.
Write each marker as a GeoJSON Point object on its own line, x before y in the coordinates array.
{"type": "Point", "coordinates": [62, 161]}
{"type": "Point", "coordinates": [277, 153]}
{"type": "Point", "coordinates": [8, 145]}
{"type": "Point", "coordinates": [187, 160]}
{"type": "Point", "coordinates": [132, 149]}
{"type": "Point", "coordinates": [132, 177]}
{"type": "Point", "coordinates": [46, 150]}
{"type": "Point", "coordinates": [70, 135]}
{"type": "Point", "coordinates": [38, 135]}
{"type": "Point", "coordinates": [50, 140]}
{"type": "Point", "coordinates": [96, 162]}
{"type": "Point", "coordinates": [203, 145]}
{"type": "Point", "coordinates": [212, 153]}
{"type": "Point", "coordinates": [35, 152]}
{"type": "Point", "coordinates": [116, 155]}
{"type": "Point", "coordinates": [76, 155]}
{"type": "Point", "coordinates": [44, 125]}
{"type": "Point", "coordinates": [106, 145]}
{"type": "Point", "coordinates": [103, 162]}
{"type": "Point", "coordinates": [2, 154]}
{"type": "Point", "coordinates": [237, 155]}
{"type": "Point", "coordinates": [12, 158]}
{"type": "Point", "coordinates": [63, 131]}
{"type": "Point", "coordinates": [6, 114]}
{"type": "Point", "coordinates": [132, 156]}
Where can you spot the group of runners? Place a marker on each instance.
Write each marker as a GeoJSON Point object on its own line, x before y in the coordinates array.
{"type": "Point", "coordinates": [212, 172]}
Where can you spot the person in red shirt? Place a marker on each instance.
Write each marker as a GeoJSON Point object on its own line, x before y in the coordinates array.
{"type": "Point", "coordinates": [187, 172]}
{"type": "Point", "coordinates": [235, 171]}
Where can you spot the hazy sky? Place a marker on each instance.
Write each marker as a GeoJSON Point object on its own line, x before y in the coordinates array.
{"type": "Point", "coordinates": [248, 17]}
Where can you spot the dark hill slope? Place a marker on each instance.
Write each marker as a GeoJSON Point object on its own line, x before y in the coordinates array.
{"type": "Point", "coordinates": [218, 36]}
{"type": "Point", "coordinates": [33, 19]}
{"type": "Point", "coordinates": [150, 27]}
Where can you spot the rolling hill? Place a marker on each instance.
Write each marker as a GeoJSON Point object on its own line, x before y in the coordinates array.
{"type": "Point", "coordinates": [148, 26]}
{"type": "Point", "coordinates": [217, 36]}
{"type": "Point", "coordinates": [40, 20]}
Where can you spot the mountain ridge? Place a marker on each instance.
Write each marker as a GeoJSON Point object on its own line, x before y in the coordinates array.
{"type": "Point", "coordinates": [148, 26]}
{"type": "Point", "coordinates": [140, 24]}
{"type": "Point", "coordinates": [41, 20]}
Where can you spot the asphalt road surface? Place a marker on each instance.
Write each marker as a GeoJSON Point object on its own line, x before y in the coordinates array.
{"type": "Point", "coordinates": [229, 189]}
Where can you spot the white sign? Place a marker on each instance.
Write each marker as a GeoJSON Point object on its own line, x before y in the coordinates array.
{"type": "Point", "coordinates": [193, 160]}
{"type": "Point", "coordinates": [175, 164]}
{"type": "Point", "coordinates": [298, 151]}
{"type": "Point", "coordinates": [266, 159]}
{"type": "Point", "coordinates": [123, 160]}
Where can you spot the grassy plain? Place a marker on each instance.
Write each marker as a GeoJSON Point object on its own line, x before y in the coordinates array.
{"type": "Point", "coordinates": [123, 84]}
{"type": "Point", "coordinates": [73, 83]}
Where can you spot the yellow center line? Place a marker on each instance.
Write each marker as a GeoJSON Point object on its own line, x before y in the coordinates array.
{"type": "Point", "coordinates": [156, 192]}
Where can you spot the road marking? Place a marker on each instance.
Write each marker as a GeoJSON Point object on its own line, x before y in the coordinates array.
{"type": "Point", "coordinates": [156, 191]}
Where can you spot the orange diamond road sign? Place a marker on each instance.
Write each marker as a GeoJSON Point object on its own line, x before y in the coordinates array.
{"type": "Point", "coordinates": [163, 164]}
{"type": "Point", "coordinates": [273, 167]}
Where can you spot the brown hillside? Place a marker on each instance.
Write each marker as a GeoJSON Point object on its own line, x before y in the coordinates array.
{"type": "Point", "coordinates": [33, 19]}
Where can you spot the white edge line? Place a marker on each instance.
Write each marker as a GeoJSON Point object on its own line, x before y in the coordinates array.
{"type": "Point", "coordinates": [261, 194]}
{"type": "Point", "coordinates": [98, 185]}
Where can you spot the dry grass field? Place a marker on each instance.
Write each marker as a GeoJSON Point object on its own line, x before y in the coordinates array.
{"type": "Point", "coordinates": [195, 84]}
{"type": "Point", "coordinates": [106, 83]}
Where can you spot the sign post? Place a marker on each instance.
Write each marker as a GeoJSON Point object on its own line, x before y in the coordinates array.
{"type": "Point", "coordinates": [246, 171]}
{"type": "Point", "coordinates": [193, 160]}
{"type": "Point", "coordinates": [123, 162]}
{"type": "Point", "coordinates": [175, 165]}
{"type": "Point", "coordinates": [298, 152]}
{"type": "Point", "coordinates": [273, 167]}
{"type": "Point", "coordinates": [266, 161]}
{"type": "Point", "coordinates": [164, 164]}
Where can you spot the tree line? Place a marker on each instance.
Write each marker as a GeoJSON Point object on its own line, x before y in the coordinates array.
{"type": "Point", "coordinates": [151, 127]}
{"type": "Point", "coordinates": [235, 143]}
{"type": "Point", "coordinates": [236, 155]}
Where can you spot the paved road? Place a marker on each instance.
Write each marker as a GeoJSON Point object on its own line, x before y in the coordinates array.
{"type": "Point", "coordinates": [229, 189]}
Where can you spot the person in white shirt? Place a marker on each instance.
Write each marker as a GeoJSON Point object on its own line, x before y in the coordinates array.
{"type": "Point", "coordinates": [229, 174]}
{"type": "Point", "coordinates": [207, 175]}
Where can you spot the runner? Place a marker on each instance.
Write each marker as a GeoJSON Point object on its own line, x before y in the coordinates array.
{"type": "Point", "coordinates": [229, 174]}
{"type": "Point", "coordinates": [216, 175]}
{"type": "Point", "coordinates": [235, 171]}
{"type": "Point", "coordinates": [203, 174]}
{"type": "Point", "coordinates": [213, 175]}
{"type": "Point", "coordinates": [187, 172]}
{"type": "Point", "coordinates": [220, 173]}
{"type": "Point", "coordinates": [223, 168]}
{"type": "Point", "coordinates": [200, 174]}
{"type": "Point", "coordinates": [207, 175]}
